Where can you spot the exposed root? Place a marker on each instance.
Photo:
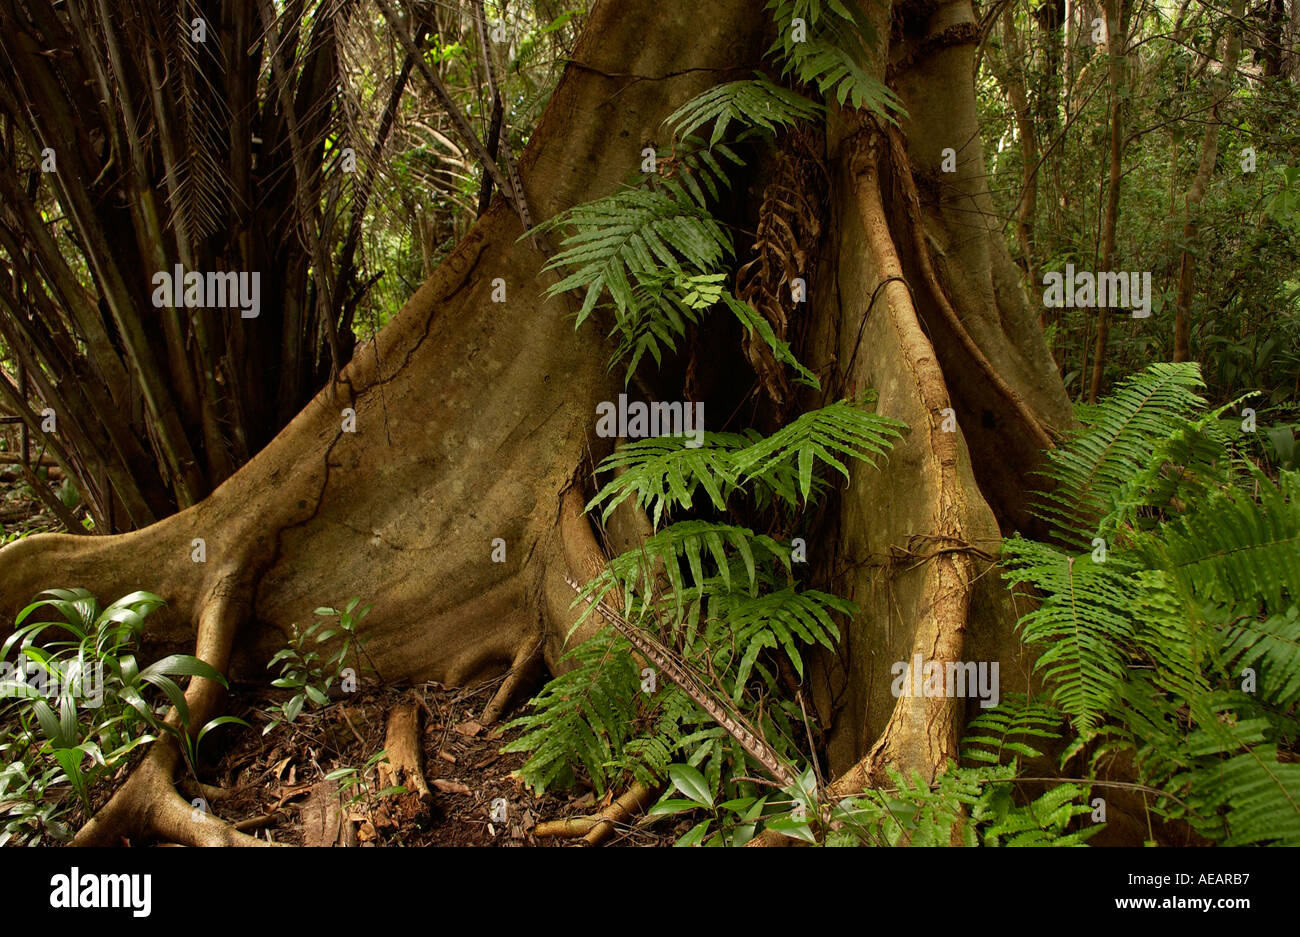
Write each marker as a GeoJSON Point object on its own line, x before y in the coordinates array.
{"type": "Point", "coordinates": [568, 828]}
{"type": "Point", "coordinates": [634, 801]}
{"type": "Point", "coordinates": [257, 823]}
{"type": "Point", "coordinates": [597, 828]}
{"type": "Point", "coordinates": [148, 804]}
{"type": "Point", "coordinates": [522, 670]}
{"type": "Point", "coordinates": [405, 756]}
{"type": "Point", "coordinates": [212, 794]}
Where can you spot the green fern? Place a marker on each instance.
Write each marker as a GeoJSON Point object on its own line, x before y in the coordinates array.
{"type": "Point", "coordinates": [833, 54]}
{"type": "Point", "coordinates": [582, 717]}
{"type": "Point", "coordinates": [1088, 474]}
{"type": "Point", "coordinates": [634, 573]}
{"type": "Point", "coordinates": [664, 473]}
{"type": "Point", "coordinates": [634, 237]}
{"type": "Point", "coordinates": [1153, 650]}
{"type": "Point", "coordinates": [1003, 733]}
{"type": "Point", "coordinates": [964, 806]}
{"type": "Point", "coordinates": [1271, 648]}
{"type": "Point", "coordinates": [1240, 546]}
{"type": "Point", "coordinates": [1258, 794]}
{"type": "Point", "coordinates": [718, 595]}
{"type": "Point", "coordinates": [1086, 627]}
{"type": "Point", "coordinates": [756, 103]}
{"type": "Point", "coordinates": [817, 436]}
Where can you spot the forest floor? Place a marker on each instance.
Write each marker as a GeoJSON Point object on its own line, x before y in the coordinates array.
{"type": "Point", "coordinates": [275, 785]}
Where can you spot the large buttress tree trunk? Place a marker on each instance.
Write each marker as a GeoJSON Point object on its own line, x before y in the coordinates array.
{"type": "Point", "coordinates": [474, 422]}
{"type": "Point", "coordinates": [921, 301]}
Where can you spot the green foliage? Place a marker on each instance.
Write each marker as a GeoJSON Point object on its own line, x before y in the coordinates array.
{"type": "Point", "coordinates": [1089, 476]}
{"type": "Point", "coordinates": [964, 806]}
{"type": "Point", "coordinates": [662, 473]}
{"type": "Point", "coordinates": [636, 239]}
{"type": "Point", "coordinates": [76, 705]}
{"type": "Point", "coordinates": [733, 822]}
{"type": "Point", "coordinates": [1013, 729]}
{"type": "Point", "coordinates": [815, 437]}
{"type": "Point", "coordinates": [607, 717]}
{"type": "Point", "coordinates": [657, 253]}
{"type": "Point", "coordinates": [305, 671]}
{"type": "Point", "coordinates": [583, 717]}
{"type": "Point", "coordinates": [1181, 646]}
{"type": "Point", "coordinates": [13, 536]}
{"type": "Point", "coordinates": [1244, 243]}
{"type": "Point", "coordinates": [360, 780]}
{"type": "Point", "coordinates": [720, 595]}
{"type": "Point", "coordinates": [833, 55]}
{"type": "Point", "coordinates": [1284, 205]}
{"type": "Point", "coordinates": [756, 103]}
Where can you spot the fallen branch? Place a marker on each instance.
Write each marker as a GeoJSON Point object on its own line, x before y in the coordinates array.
{"type": "Point", "coordinates": [15, 458]}
{"type": "Point", "coordinates": [722, 712]}
{"type": "Point", "coordinates": [405, 756]}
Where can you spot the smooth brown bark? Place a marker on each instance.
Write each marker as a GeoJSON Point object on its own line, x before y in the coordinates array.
{"type": "Point", "coordinates": [919, 565]}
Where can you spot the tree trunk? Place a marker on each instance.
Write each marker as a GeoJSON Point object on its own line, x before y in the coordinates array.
{"type": "Point", "coordinates": [928, 309]}
{"type": "Point", "coordinates": [1115, 43]}
{"type": "Point", "coordinates": [1013, 61]}
{"type": "Point", "coordinates": [475, 421]}
{"type": "Point", "coordinates": [1196, 194]}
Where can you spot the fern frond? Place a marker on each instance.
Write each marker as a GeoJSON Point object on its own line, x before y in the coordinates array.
{"type": "Point", "coordinates": [1146, 651]}
{"type": "Point", "coordinates": [632, 236]}
{"type": "Point", "coordinates": [1040, 822]}
{"type": "Point", "coordinates": [785, 619]}
{"type": "Point", "coordinates": [756, 103]}
{"type": "Point", "coordinates": [582, 717]}
{"type": "Point", "coordinates": [966, 806]}
{"type": "Point", "coordinates": [832, 54]}
{"type": "Point", "coordinates": [1003, 733]}
{"type": "Point", "coordinates": [664, 472]}
{"type": "Point", "coordinates": [692, 171]}
{"type": "Point", "coordinates": [1270, 647]}
{"type": "Point", "coordinates": [1237, 549]}
{"type": "Point", "coordinates": [1092, 468]}
{"type": "Point", "coordinates": [1084, 623]}
{"type": "Point", "coordinates": [1240, 789]}
{"type": "Point", "coordinates": [818, 435]}
{"type": "Point", "coordinates": [634, 572]}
